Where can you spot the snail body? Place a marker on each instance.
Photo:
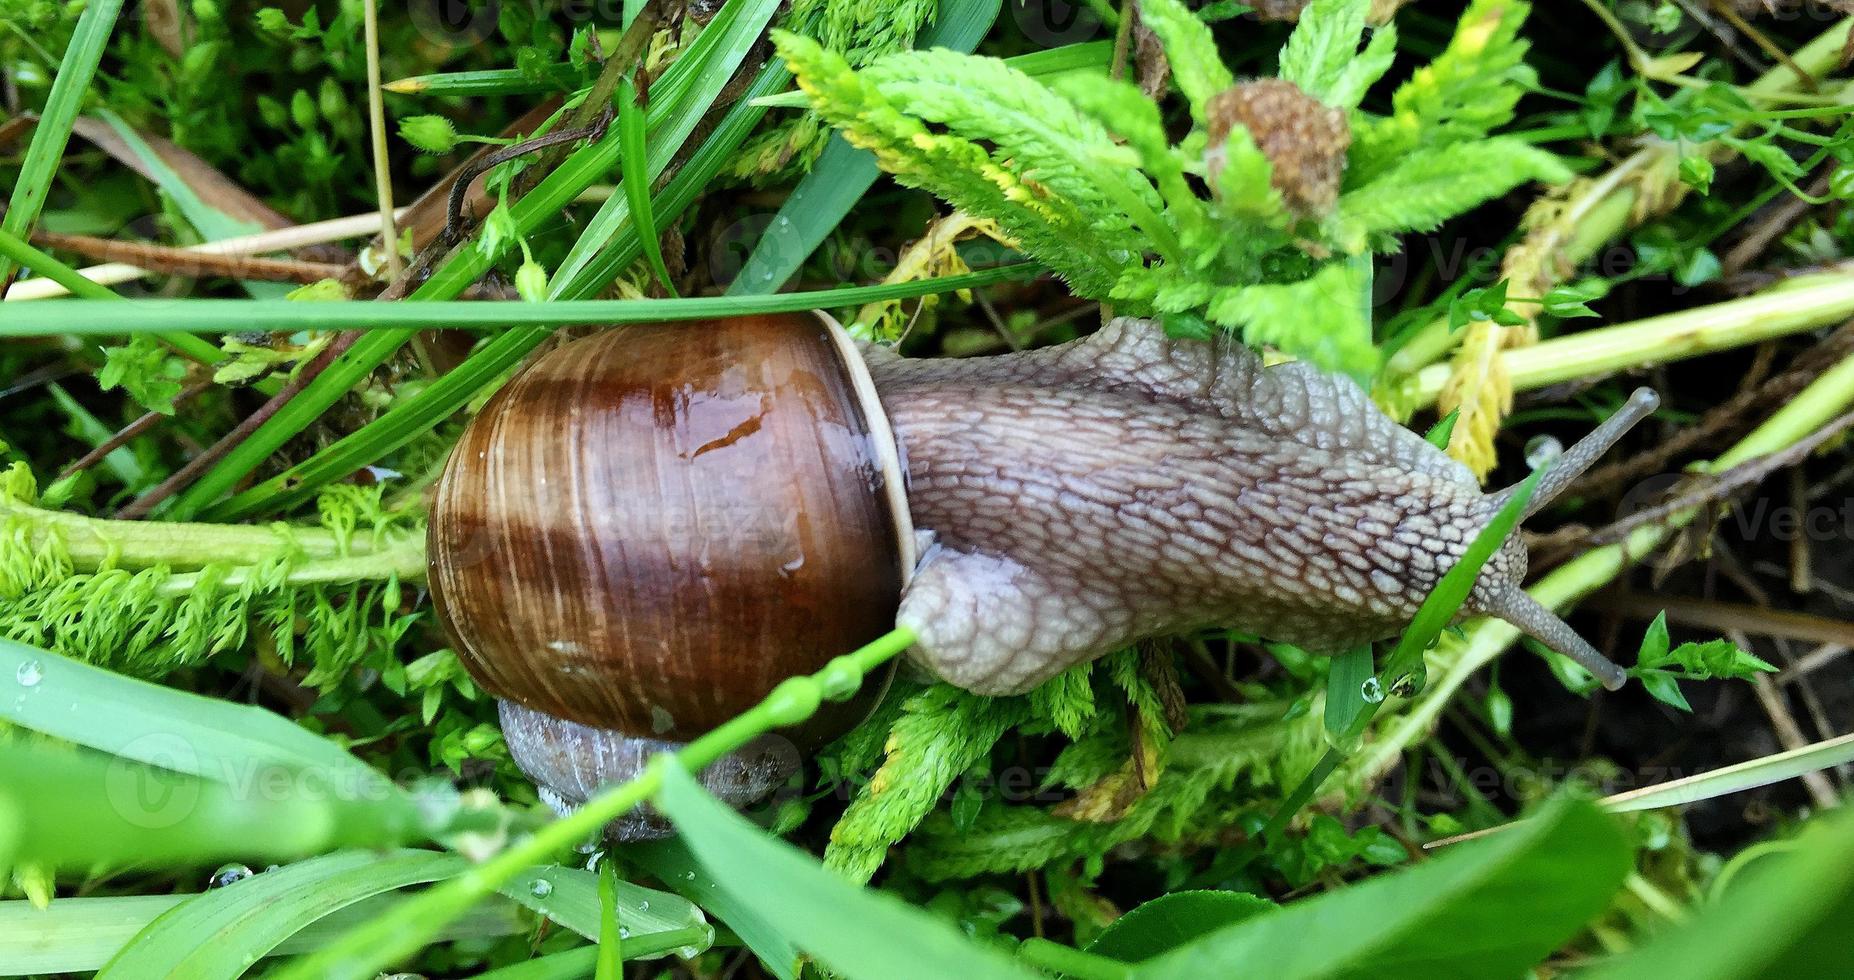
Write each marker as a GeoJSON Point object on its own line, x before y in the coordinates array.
{"type": "Point", "coordinates": [649, 528]}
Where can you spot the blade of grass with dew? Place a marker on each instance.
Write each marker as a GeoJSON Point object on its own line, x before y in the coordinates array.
{"type": "Point", "coordinates": [633, 167]}
{"type": "Point", "coordinates": [1449, 917]}
{"type": "Point", "coordinates": [1347, 676]}
{"type": "Point", "coordinates": [842, 174]}
{"type": "Point", "coordinates": [851, 931]}
{"type": "Point", "coordinates": [659, 922]}
{"type": "Point", "coordinates": [211, 223]}
{"type": "Point", "coordinates": [414, 921]}
{"type": "Point", "coordinates": [671, 862]}
{"type": "Point", "coordinates": [449, 393]}
{"type": "Point", "coordinates": [80, 934]}
{"type": "Point", "coordinates": [168, 728]}
{"type": "Point", "coordinates": [411, 417]}
{"type": "Point", "coordinates": [720, 49]}
{"type": "Point", "coordinates": [686, 93]}
{"type": "Point", "coordinates": [221, 932]}
{"type": "Point", "coordinates": [611, 940]}
{"type": "Point", "coordinates": [72, 807]}
{"type": "Point", "coordinates": [13, 248]}
{"type": "Point", "coordinates": [40, 165]}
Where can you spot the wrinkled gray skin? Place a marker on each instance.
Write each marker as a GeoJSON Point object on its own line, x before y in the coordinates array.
{"type": "Point", "coordinates": [1127, 485]}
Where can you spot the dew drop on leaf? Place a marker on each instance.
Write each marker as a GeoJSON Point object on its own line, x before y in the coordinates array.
{"type": "Point", "coordinates": [541, 888]}
{"type": "Point", "coordinates": [30, 673]}
{"type": "Point", "coordinates": [1372, 691]}
{"type": "Point", "coordinates": [1541, 450]}
{"type": "Point", "coordinates": [228, 874]}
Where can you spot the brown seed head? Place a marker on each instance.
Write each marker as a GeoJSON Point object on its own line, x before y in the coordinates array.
{"type": "Point", "coordinates": [1304, 138]}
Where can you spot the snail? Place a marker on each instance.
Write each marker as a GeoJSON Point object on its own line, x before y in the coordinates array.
{"type": "Point", "coordinates": [648, 528]}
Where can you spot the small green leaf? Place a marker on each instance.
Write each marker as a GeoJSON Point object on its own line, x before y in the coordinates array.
{"type": "Point", "coordinates": [1440, 433]}
{"type": "Point", "coordinates": [1172, 920]}
{"type": "Point", "coordinates": [1654, 643]}
{"type": "Point", "coordinates": [1665, 689]}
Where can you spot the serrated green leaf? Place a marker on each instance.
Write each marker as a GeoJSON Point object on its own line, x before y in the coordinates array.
{"type": "Point", "coordinates": [1324, 45]}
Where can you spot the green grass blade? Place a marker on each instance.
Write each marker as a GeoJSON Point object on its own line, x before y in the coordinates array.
{"type": "Point", "coordinates": [220, 933]}
{"type": "Point", "coordinates": [603, 265]}
{"type": "Point", "coordinates": [1763, 771]}
{"type": "Point", "coordinates": [1786, 915]}
{"type": "Point", "coordinates": [570, 965]}
{"type": "Point", "coordinates": [62, 105]}
{"type": "Point", "coordinates": [16, 249]}
{"type": "Point", "coordinates": [842, 174]}
{"type": "Point", "coordinates": [81, 934]}
{"type": "Point", "coordinates": [164, 727]}
{"type": "Point", "coordinates": [558, 77]}
{"type": "Point", "coordinates": [635, 170]}
{"type": "Point", "coordinates": [686, 96]}
{"type": "Point", "coordinates": [1449, 917]}
{"type": "Point", "coordinates": [64, 807]}
{"type": "Point", "coordinates": [659, 922]}
{"type": "Point", "coordinates": [611, 942]}
{"type": "Point", "coordinates": [670, 861]}
{"type": "Point", "coordinates": [415, 415]}
{"type": "Point", "coordinates": [855, 933]}
{"type": "Point", "coordinates": [73, 317]}
{"type": "Point", "coordinates": [1346, 678]}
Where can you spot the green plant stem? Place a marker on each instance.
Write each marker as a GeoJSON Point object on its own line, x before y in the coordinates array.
{"type": "Point", "coordinates": [394, 320]}
{"type": "Point", "coordinates": [1803, 303]}
{"type": "Point", "coordinates": [95, 543]}
{"type": "Point", "coordinates": [1827, 397]}
{"type": "Point", "coordinates": [409, 925]}
{"type": "Point", "coordinates": [19, 251]}
{"type": "Point", "coordinates": [1069, 961]}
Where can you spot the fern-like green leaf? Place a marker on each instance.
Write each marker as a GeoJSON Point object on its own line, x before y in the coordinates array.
{"type": "Point", "coordinates": [1466, 92]}
{"type": "Point", "coordinates": [1325, 318]}
{"type": "Point", "coordinates": [942, 733]}
{"type": "Point", "coordinates": [1431, 185]}
{"type": "Point", "coordinates": [1363, 71]}
{"type": "Point", "coordinates": [1046, 139]}
{"type": "Point", "coordinates": [1127, 113]}
{"type": "Point", "coordinates": [1324, 45]}
{"type": "Point", "coordinates": [1049, 227]}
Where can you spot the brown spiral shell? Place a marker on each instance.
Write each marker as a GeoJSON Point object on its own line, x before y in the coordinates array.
{"type": "Point", "coordinates": [647, 529]}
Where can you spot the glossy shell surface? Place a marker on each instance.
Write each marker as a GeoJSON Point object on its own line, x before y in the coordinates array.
{"type": "Point", "coordinates": [647, 529]}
